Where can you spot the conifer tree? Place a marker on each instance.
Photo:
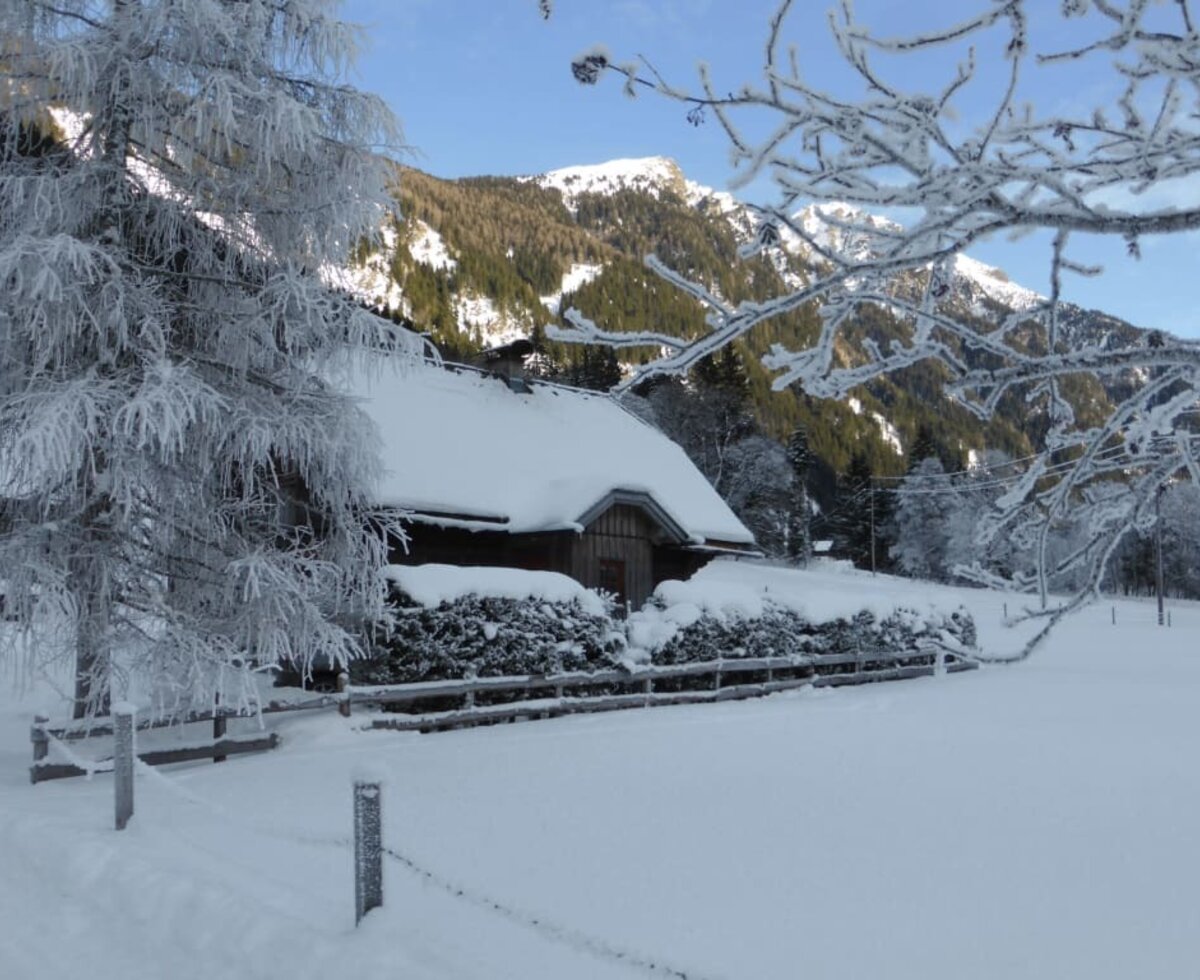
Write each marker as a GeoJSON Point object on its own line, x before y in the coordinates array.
{"type": "Point", "coordinates": [923, 446]}
{"type": "Point", "coordinates": [182, 492]}
{"type": "Point", "coordinates": [855, 521]}
{"type": "Point", "coordinates": [799, 535]}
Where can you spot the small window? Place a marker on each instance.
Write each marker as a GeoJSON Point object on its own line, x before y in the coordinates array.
{"type": "Point", "coordinates": [612, 578]}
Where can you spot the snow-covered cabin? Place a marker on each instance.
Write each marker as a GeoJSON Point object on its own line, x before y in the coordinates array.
{"type": "Point", "coordinates": [543, 477]}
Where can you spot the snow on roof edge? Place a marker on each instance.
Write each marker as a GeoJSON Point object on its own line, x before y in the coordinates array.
{"type": "Point", "coordinates": [540, 459]}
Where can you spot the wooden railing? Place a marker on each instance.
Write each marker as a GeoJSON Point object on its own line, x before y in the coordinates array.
{"type": "Point", "coordinates": [218, 748]}
{"type": "Point", "coordinates": [489, 700]}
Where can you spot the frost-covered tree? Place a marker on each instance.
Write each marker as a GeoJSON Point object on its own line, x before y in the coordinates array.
{"type": "Point", "coordinates": [1134, 572]}
{"type": "Point", "coordinates": [920, 535]}
{"type": "Point", "coordinates": [182, 490]}
{"type": "Point", "coordinates": [709, 417]}
{"type": "Point", "coordinates": [957, 151]}
{"type": "Point", "coordinates": [757, 485]}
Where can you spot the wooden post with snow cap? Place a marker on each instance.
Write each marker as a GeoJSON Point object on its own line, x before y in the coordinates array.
{"type": "Point", "coordinates": [343, 681]}
{"type": "Point", "coordinates": [123, 713]}
{"type": "Point", "coordinates": [39, 737]}
{"type": "Point", "coordinates": [368, 844]}
{"type": "Point", "coordinates": [218, 726]}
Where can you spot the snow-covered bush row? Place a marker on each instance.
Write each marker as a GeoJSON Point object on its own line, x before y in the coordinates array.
{"type": "Point", "coordinates": [677, 634]}
{"type": "Point", "coordinates": [489, 622]}
{"type": "Point", "coordinates": [751, 609]}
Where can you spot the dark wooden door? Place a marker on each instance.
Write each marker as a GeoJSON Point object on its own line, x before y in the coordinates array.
{"type": "Point", "coordinates": [612, 578]}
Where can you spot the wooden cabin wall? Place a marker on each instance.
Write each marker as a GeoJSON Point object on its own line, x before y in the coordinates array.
{"type": "Point", "coordinates": [429, 544]}
{"type": "Point", "coordinates": [622, 533]}
{"type": "Point", "coordinates": [671, 562]}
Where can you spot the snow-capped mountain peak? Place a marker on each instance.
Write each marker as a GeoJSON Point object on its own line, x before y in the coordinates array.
{"type": "Point", "coordinates": [649, 174]}
{"type": "Point", "coordinates": [834, 226]}
{"type": "Point", "coordinates": [995, 284]}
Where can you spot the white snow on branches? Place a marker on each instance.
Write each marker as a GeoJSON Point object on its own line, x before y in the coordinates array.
{"type": "Point", "coordinates": [958, 159]}
{"type": "Point", "coordinates": [179, 481]}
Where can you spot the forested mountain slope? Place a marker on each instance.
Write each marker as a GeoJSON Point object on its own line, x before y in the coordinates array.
{"type": "Point", "coordinates": [480, 261]}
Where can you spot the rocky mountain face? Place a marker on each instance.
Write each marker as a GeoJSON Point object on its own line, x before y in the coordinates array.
{"type": "Point", "coordinates": [481, 261]}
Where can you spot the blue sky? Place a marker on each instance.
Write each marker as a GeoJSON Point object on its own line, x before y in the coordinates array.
{"type": "Point", "coordinates": [484, 87]}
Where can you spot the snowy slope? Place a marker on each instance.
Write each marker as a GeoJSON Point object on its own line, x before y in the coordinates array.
{"type": "Point", "coordinates": [580, 274]}
{"type": "Point", "coordinates": [649, 174]}
{"type": "Point", "coordinates": [1027, 822]}
{"type": "Point", "coordinates": [995, 284]}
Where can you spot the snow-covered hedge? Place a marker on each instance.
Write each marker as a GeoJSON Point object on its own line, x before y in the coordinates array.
{"type": "Point", "coordinates": [776, 631]}
{"type": "Point", "coordinates": [491, 622]}
{"type": "Point", "coordinates": [743, 609]}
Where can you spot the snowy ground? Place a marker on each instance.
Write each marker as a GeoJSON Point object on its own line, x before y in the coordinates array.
{"type": "Point", "coordinates": [1021, 822]}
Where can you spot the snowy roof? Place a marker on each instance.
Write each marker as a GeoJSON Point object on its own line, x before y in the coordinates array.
{"type": "Point", "coordinates": [462, 447]}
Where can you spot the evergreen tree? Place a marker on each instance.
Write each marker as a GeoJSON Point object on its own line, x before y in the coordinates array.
{"type": "Point", "coordinates": [596, 368]}
{"type": "Point", "coordinates": [799, 538]}
{"type": "Point", "coordinates": [858, 517]}
{"type": "Point", "coordinates": [165, 442]}
{"type": "Point", "coordinates": [923, 447]}
{"type": "Point", "coordinates": [725, 372]}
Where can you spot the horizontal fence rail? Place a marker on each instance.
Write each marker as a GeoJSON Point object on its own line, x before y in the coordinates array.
{"type": "Point", "coordinates": [492, 700]}
{"type": "Point", "coordinates": [218, 748]}
{"type": "Point", "coordinates": [555, 695]}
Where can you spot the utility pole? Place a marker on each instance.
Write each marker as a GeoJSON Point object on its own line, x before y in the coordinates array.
{"type": "Point", "coordinates": [1158, 551]}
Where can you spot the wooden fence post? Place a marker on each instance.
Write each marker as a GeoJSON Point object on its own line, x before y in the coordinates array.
{"type": "Point", "coordinates": [368, 848]}
{"type": "Point", "coordinates": [39, 738]}
{"type": "Point", "coordinates": [123, 762]}
{"type": "Point", "coordinates": [218, 725]}
{"type": "Point", "coordinates": [343, 682]}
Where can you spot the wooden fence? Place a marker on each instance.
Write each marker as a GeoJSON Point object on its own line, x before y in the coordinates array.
{"type": "Point", "coordinates": [218, 748]}
{"type": "Point", "coordinates": [491, 700]}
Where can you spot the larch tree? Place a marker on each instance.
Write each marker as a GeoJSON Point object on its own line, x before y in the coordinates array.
{"type": "Point", "coordinates": [182, 491]}
{"type": "Point", "coordinates": [942, 131]}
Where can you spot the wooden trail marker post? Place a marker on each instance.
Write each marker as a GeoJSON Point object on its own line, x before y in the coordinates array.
{"type": "Point", "coordinates": [368, 847]}
{"type": "Point", "coordinates": [218, 725]}
{"type": "Point", "coordinates": [123, 762]}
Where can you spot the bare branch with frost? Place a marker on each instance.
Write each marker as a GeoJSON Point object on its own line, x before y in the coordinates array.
{"type": "Point", "coordinates": [887, 141]}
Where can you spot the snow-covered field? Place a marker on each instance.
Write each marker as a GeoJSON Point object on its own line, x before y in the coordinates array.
{"type": "Point", "coordinates": [1019, 822]}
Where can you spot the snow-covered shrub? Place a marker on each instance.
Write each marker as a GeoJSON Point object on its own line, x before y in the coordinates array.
{"type": "Point", "coordinates": [491, 636]}
{"type": "Point", "coordinates": [777, 630]}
